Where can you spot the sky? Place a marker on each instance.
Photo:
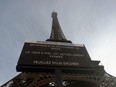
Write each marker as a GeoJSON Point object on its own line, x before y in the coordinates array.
{"type": "Point", "coordinates": [88, 22]}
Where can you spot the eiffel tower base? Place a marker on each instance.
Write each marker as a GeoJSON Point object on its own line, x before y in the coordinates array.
{"type": "Point", "coordinates": [47, 79]}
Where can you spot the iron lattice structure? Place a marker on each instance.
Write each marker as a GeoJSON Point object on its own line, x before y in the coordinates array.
{"type": "Point", "coordinates": [100, 78]}
{"type": "Point", "coordinates": [42, 79]}
{"type": "Point", "coordinates": [57, 33]}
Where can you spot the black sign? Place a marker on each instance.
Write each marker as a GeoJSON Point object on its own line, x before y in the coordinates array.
{"type": "Point", "coordinates": [56, 54]}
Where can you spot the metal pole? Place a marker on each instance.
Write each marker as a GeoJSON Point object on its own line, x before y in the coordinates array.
{"type": "Point", "coordinates": [58, 78]}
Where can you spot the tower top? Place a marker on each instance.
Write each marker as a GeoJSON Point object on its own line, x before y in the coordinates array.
{"type": "Point", "coordinates": [54, 14]}
{"type": "Point", "coordinates": [57, 34]}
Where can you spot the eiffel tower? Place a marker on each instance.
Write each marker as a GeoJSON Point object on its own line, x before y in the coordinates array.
{"type": "Point", "coordinates": [84, 73]}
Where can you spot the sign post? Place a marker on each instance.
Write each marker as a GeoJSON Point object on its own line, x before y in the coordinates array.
{"type": "Point", "coordinates": [58, 78]}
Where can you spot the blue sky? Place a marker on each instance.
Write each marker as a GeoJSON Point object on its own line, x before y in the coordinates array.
{"type": "Point", "coordinates": [89, 22]}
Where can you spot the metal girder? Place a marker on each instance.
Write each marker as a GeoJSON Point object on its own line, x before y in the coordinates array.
{"type": "Point", "coordinates": [37, 79]}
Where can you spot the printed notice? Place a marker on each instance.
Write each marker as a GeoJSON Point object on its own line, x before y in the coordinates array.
{"type": "Point", "coordinates": [52, 54]}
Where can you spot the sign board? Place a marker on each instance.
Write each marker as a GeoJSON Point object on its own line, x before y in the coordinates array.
{"type": "Point", "coordinates": [55, 54]}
